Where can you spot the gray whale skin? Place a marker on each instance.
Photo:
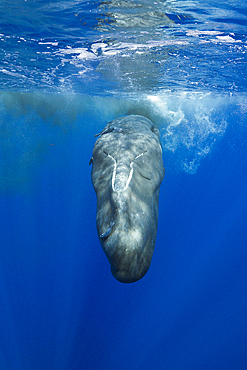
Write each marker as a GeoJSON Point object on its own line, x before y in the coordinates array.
{"type": "Point", "coordinates": [126, 174]}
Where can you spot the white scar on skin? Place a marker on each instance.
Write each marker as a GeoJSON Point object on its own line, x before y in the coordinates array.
{"type": "Point", "coordinates": [115, 170]}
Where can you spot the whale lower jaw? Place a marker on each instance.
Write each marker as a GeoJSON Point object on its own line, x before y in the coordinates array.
{"type": "Point", "coordinates": [129, 254]}
{"type": "Point", "coordinates": [125, 276]}
{"type": "Point", "coordinates": [128, 246]}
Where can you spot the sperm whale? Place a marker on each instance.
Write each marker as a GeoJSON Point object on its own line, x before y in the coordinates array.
{"type": "Point", "coordinates": [127, 171]}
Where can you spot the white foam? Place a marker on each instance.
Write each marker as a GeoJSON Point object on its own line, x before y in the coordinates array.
{"type": "Point", "coordinates": [72, 50]}
{"type": "Point", "coordinates": [117, 48]}
{"type": "Point", "coordinates": [83, 53]}
{"type": "Point", "coordinates": [198, 33]}
{"type": "Point", "coordinates": [190, 125]}
{"type": "Point", "coordinates": [98, 45]}
{"type": "Point", "coordinates": [227, 39]}
{"type": "Point", "coordinates": [49, 43]}
{"type": "Point", "coordinates": [86, 55]}
{"type": "Point", "coordinates": [14, 74]}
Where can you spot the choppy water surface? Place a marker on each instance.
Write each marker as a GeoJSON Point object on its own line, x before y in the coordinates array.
{"type": "Point", "coordinates": [99, 47]}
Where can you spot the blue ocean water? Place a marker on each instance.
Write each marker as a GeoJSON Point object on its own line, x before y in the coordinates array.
{"type": "Point", "coordinates": [66, 69]}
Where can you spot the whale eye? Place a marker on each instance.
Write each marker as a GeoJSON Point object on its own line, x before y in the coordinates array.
{"type": "Point", "coordinates": [145, 177]}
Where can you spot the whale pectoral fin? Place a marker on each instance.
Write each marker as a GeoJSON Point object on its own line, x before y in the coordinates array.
{"type": "Point", "coordinates": [109, 129]}
{"type": "Point", "coordinates": [104, 131]}
{"type": "Point", "coordinates": [155, 130]}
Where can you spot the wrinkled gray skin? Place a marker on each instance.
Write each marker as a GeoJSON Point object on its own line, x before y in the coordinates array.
{"type": "Point", "coordinates": [127, 173]}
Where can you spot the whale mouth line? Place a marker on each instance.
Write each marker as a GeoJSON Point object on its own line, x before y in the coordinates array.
{"type": "Point", "coordinates": [107, 233]}
{"type": "Point", "coordinates": [115, 188]}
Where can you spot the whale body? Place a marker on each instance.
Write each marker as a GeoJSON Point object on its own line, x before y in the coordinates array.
{"type": "Point", "coordinates": [127, 171]}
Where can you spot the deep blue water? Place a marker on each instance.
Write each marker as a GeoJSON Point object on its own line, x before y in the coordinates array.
{"type": "Point", "coordinates": [66, 69]}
